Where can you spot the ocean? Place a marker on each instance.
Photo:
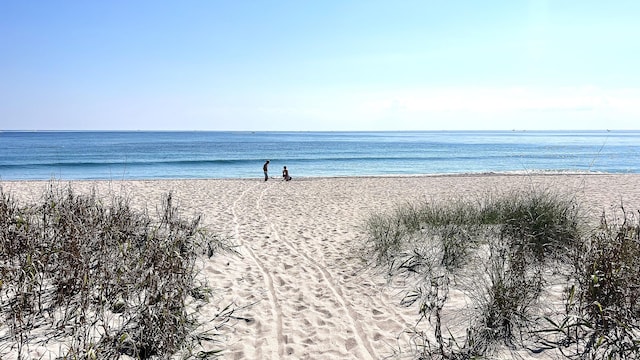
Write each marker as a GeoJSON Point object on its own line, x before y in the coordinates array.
{"type": "Point", "coordinates": [114, 155]}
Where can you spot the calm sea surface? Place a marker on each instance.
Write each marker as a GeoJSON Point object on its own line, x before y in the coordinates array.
{"type": "Point", "coordinates": [161, 155]}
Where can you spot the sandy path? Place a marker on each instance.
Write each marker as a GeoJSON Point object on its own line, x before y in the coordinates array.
{"type": "Point", "coordinates": [315, 300]}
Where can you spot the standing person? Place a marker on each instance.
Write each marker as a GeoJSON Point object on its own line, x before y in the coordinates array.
{"type": "Point", "coordinates": [265, 168]}
{"type": "Point", "coordinates": [285, 174]}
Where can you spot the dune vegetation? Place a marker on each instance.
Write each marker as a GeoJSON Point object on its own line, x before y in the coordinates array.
{"type": "Point", "coordinates": [533, 274]}
{"type": "Point", "coordinates": [93, 278]}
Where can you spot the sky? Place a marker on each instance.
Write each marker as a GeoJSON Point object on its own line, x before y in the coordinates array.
{"type": "Point", "coordinates": [319, 65]}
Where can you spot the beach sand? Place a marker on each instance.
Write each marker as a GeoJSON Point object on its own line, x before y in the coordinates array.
{"type": "Point", "coordinates": [298, 278]}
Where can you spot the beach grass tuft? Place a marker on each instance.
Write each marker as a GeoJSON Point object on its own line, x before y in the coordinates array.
{"type": "Point", "coordinates": [99, 278]}
{"type": "Point", "coordinates": [602, 313]}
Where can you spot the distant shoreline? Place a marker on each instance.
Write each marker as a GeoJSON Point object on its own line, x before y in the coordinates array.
{"type": "Point", "coordinates": [311, 178]}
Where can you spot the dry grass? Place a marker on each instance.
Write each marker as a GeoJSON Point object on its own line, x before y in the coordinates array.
{"type": "Point", "coordinates": [97, 279]}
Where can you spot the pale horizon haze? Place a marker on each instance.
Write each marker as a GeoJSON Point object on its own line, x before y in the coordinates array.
{"type": "Point", "coordinates": [320, 65]}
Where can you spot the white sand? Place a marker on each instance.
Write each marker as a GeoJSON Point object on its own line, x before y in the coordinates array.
{"type": "Point", "coordinates": [312, 298]}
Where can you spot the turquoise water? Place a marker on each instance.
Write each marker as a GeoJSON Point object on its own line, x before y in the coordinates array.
{"type": "Point", "coordinates": [159, 155]}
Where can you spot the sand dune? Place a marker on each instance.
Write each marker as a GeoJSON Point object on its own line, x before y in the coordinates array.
{"type": "Point", "coordinates": [298, 278]}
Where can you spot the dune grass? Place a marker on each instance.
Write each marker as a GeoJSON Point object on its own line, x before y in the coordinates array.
{"type": "Point", "coordinates": [602, 312]}
{"type": "Point", "coordinates": [501, 251]}
{"type": "Point", "coordinates": [94, 278]}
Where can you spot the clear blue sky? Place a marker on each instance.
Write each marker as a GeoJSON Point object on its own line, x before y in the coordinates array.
{"type": "Point", "coordinates": [319, 65]}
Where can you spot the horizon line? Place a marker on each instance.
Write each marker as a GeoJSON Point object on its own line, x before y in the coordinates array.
{"type": "Point", "coordinates": [310, 131]}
